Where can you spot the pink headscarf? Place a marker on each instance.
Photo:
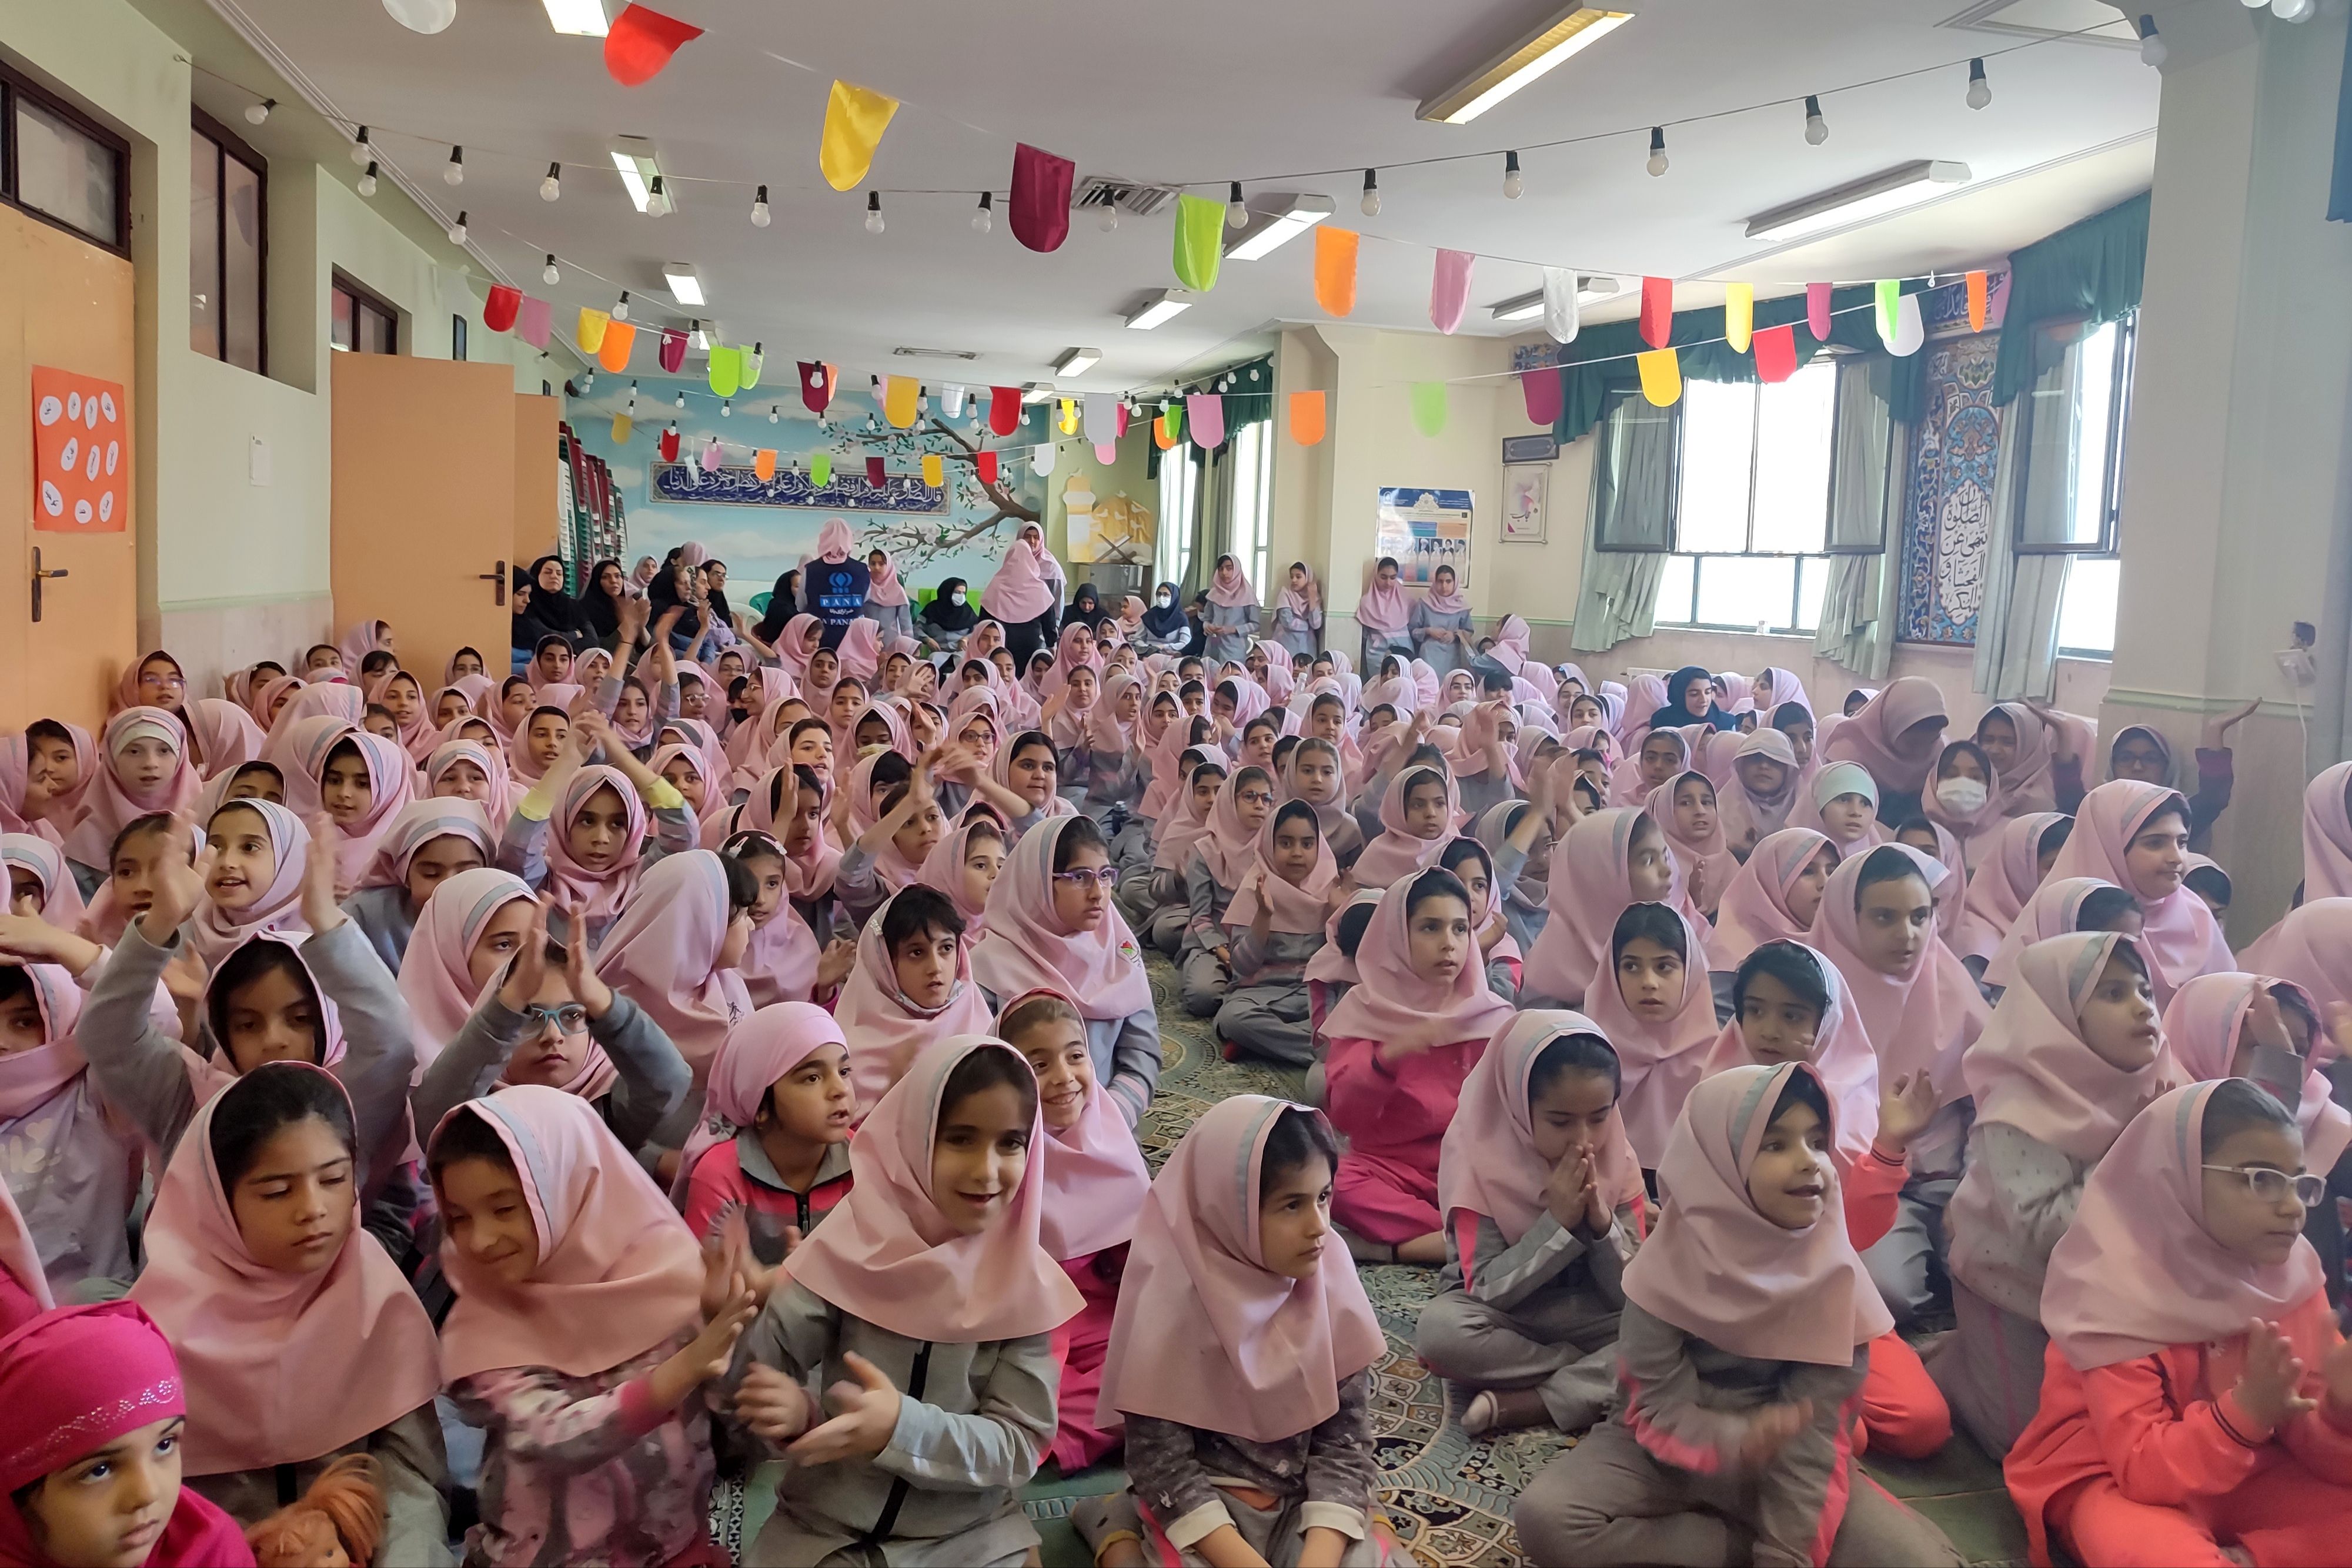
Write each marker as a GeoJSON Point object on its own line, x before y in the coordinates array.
{"type": "Point", "coordinates": [1230, 590]}
{"type": "Point", "coordinates": [1709, 850]}
{"type": "Point", "coordinates": [1645, 695]}
{"type": "Point", "coordinates": [1749, 817]}
{"type": "Point", "coordinates": [61, 903]}
{"type": "Point", "coordinates": [2024, 785]}
{"type": "Point", "coordinates": [361, 641]}
{"type": "Point", "coordinates": [1952, 897]}
{"type": "Point", "coordinates": [1206, 1334]}
{"type": "Point", "coordinates": [887, 1255]}
{"type": "Point", "coordinates": [214, 933]}
{"type": "Point", "coordinates": [1019, 590]}
{"type": "Point", "coordinates": [437, 977]}
{"type": "Point", "coordinates": [1755, 908]}
{"type": "Point", "coordinates": [860, 650]}
{"type": "Point", "coordinates": [2137, 1273]}
{"type": "Point", "coordinates": [1453, 603]}
{"type": "Point", "coordinates": [256, 1346]}
{"type": "Point", "coordinates": [943, 869]}
{"type": "Point", "coordinates": [2006, 873]}
{"type": "Point", "coordinates": [1396, 855]}
{"type": "Point", "coordinates": [2054, 910]}
{"type": "Point", "coordinates": [488, 757]}
{"type": "Point", "coordinates": [2179, 933]}
{"type": "Point", "coordinates": [1842, 1056]}
{"type": "Point", "coordinates": [109, 805]}
{"type": "Point", "coordinates": [1717, 1269]}
{"type": "Point", "coordinates": [2328, 835]}
{"type": "Point", "coordinates": [1106, 731]}
{"type": "Point", "coordinates": [1918, 1022]}
{"type": "Point", "coordinates": [1591, 884]}
{"type": "Point", "coordinates": [1096, 1180]}
{"type": "Point", "coordinates": [1302, 910]}
{"type": "Point", "coordinates": [618, 1271]}
{"type": "Point", "coordinates": [1394, 1006]}
{"type": "Point", "coordinates": [1382, 608]}
{"type": "Point", "coordinates": [662, 953]}
{"type": "Point", "coordinates": [1028, 948]}
{"type": "Point", "coordinates": [1183, 824]}
{"type": "Point", "coordinates": [265, 696]}
{"type": "Point", "coordinates": [1489, 1164]}
{"type": "Point", "coordinates": [1228, 849]}
{"type": "Point", "coordinates": [793, 648]}
{"type": "Point", "coordinates": [2202, 1027]}
{"type": "Point", "coordinates": [2032, 1070]}
{"type": "Point", "coordinates": [1966, 826]}
{"type": "Point", "coordinates": [33, 1076]}
{"type": "Point", "coordinates": [224, 732]}
{"type": "Point", "coordinates": [1626, 787]}
{"type": "Point", "coordinates": [1869, 737]}
{"type": "Point", "coordinates": [600, 894]}
{"type": "Point", "coordinates": [2312, 947]}
{"type": "Point", "coordinates": [760, 1051]}
{"type": "Point", "coordinates": [1786, 689]}
{"type": "Point", "coordinates": [391, 782]}
{"type": "Point", "coordinates": [418, 824]}
{"type": "Point", "coordinates": [20, 1267]}
{"type": "Point", "coordinates": [888, 1030]}
{"type": "Point", "coordinates": [1661, 1061]}
{"type": "Point", "coordinates": [884, 588]}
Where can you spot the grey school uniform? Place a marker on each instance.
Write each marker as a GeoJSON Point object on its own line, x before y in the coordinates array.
{"type": "Point", "coordinates": [382, 916]}
{"type": "Point", "coordinates": [1611, 1500]}
{"type": "Point", "coordinates": [1125, 1052]}
{"type": "Point", "coordinates": [1440, 653]}
{"type": "Point", "coordinates": [1902, 1263]}
{"type": "Point", "coordinates": [412, 1469]}
{"type": "Point", "coordinates": [1201, 976]}
{"type": "Point", "coordinates": [1265, 1010]}
{"type": "Point", "coordinates": [861, 893]}
{"type": "Point", "coordinates": [2016, 1200]}
{"type": "Point", "coordinates": [1231, 628]}
{"type": "Point", "coordinates": [522, 850]}
{"type": "Point", "coordinates": [652, 1082]}
{"type": "Point", "coordinates": [1540, 1313]}
{"type": "Point", "coordinates": [974, 1421]}
{"type": "Point", "coordinates": [1163, 914]}
{"type": "Point", "coordinates": [1299, 634]}
{"type": "Point", "coordinates": [1525, 919]}
{"type": "Point", "coordinates": [895, 620]}
{"type": "Point", "coordinates": [1113, 778]}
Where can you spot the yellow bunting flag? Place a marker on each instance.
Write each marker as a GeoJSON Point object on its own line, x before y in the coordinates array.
{"type": "Point", "coordinates": [1307, 418]}
{"type": "Point", "coordinates": [620, 337]}
{"type": "Point", "coordinates": [1979, 288]}
{"type": "Point", "coordinates": [1069, 418]}
{"type": "Point", "coordinates": [1661, 376]}
{"type": "Point", "coordinates": [764, 463]}
{"type": "Point", "coordinates": [855, 119]}
{"type": "Point", "coordinates": [935, 470]}
{"type": "Point", "coordinates": [590, 333]}
{"type": "Point", "coordinates": [1739, 315]}
{"type": "Point", "coordinates": [899, 395]}
{"type": "Point", "coordinates": [622, 427]}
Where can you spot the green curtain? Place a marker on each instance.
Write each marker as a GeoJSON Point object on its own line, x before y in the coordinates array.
{"type": "Point", "coordinates": [1597, 366]}
{"type": "Point", "coordinates": [2090, 271]}
{"type": "Point", "coordinates": [1247, 403]}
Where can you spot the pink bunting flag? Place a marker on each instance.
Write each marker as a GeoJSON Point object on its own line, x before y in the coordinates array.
{"type": "Point", "coordinates": [1449, 290]}
{"type": "Point", "coordinates": [711, 457]}
{"type": "Point", "coordinates": [1105, 453]}
{"type": "Point", "coordinates": [1544, 396]}
{"type": "Point", "coordinates": [1817, 311]}
{"type": "Point", "coordinates": [498, 309]}
{"type": "Point", "coordinates": [533, 320]}
{"type": "Point", "coordinates": [1657, 310]}
{"type": "Point", "coordinates": [1122, 418]}
{"type": "Point", "coordinates": [1775, 349]}
{"type": "Point", "coordinates": [1205, 411]}
{"type": "Point", "coordinates": [1040, 204]}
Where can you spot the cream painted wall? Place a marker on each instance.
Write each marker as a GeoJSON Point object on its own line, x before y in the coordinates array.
{"type": "Point", "coordinates": [1075, 455]}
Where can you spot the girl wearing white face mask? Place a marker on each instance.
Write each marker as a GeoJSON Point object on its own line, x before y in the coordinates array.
{"type": "Point", "coordinates": [1964, 795]}
{"type": "Point", "coordinates": [948, 619]}
{"type": "Point", "coordinates": [1165, 628]}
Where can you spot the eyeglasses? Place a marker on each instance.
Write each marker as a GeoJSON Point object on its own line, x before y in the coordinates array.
{"type": "Point", "coordinates": [569, 1019]}
{"type": "Point", "coordinates": [2270, 1185]}
{"type": "Point", "coordinates": [166, 682]}
{"type": "Point", "coordinates": [1101, 875]}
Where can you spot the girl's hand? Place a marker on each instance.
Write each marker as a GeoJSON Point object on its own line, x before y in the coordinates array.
{"type": "Point", "coordinates": [1598, 1217]}
{"type": "Point", "coordinates": [1564, 1190]}
{"type": "Point", "coordinates": [1771, 1429]}
{"type": "Point", "coordinates": [834, 965]}
{"type": "Point", "coordinates": [529, 970]}
{"type": "Point", "coordinates": [1905, 1106]}
{"type": "Point", "coordinates": [869, 1413]}
{"type": "Point", "coordinates": [725, 1245]}
{"type": "Point", "coordinates": [706, 1355]}
{"type": "Point", "coordinates": [773, 1406]}
{"type": "Point", "coordinates": [2263, 1024]}
{"type": "Point", "coordinates": [2335, 1372]}
{"type": "Point", "coordinates": [1698, 886]}
{"type": "Point", "coordinates": [25, 935]}
{"type": "Point", "coordinates": [179, 887]}
{"type": "Point", "coordinates": [2217, 730]}
{"type": "Point", "coordinates": [2339, 1026]}
{"type": "Point", "coordinates": [322, 910]}
{"type": "Point", "coordinates": [578, 969]}
{"type": "Point", "coordinates": [2267, 1390]}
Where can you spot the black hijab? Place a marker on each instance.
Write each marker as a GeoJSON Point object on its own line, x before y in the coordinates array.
{"type": "Point", "coordinates": [783, 603]}
{"type": "Point", "coordinates": [945, 613]}
{"type": "Point", "coordinates": [1165, 621]}
{"type": "Point", "coordinates": [603, 611]}
{"type": "Point", "coordinates": [1086, 607]}
{"type": "Point", "coordinates": [1675, 715]}
{"type": "Point", "coordinates": [558, 611]}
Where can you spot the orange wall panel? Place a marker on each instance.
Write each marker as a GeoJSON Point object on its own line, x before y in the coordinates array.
{"type": "Point", "coordinates": [537, 420]}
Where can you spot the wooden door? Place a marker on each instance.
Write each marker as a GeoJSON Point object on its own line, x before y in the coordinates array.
{"type": "Point", "coordinates": [423, 504]}
{"type": "Point", "coordinates": [65, 305]}
{"type": "Point", "coordinates": [537, 422]}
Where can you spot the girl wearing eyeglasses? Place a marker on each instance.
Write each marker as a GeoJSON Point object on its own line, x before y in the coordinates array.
{"type": "Point", "coordinates": [2197, 1404]}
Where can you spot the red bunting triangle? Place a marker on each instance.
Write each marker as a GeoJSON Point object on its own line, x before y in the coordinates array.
{"type": "Point", "coordinates": [1040, 208]}
{"type": "Point", "coordinates": [875, 474]}
{"type": "Point", "coordinates": [498, 311]}
{"type": "Point", "coordinates": [1775, 349]}
{"type": "Point", "coordinates": [985, 463]}
{"type": "Point", "coordinates": [1542, 391]}
{"type": "Point", "coordinates": [669, 445]}
{"type": "Point", "coordinates": [1657, 310]}
{"type": "Point", "coordinates": [673, 350]}
{"type": "Point", "coordinates": [641, 42]}
{"type": "Point", "coordinates": [816, 384]}
{"type": "Point", "coordinates": [1004, 410]}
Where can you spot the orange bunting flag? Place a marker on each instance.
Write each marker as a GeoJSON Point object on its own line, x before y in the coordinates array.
{"type": "Point", "coordinates": [1661, 376]}
{"type": "Point", "coordinates": [1161, 435]}
{"type": "Point", "coordinates": [1335, 269]}
{"type": "Point", "coordinates": [620, 337]}
{"type": "Point", "coordinates": [1657, 310]}
{"type": "Point", "coordinates": [1307, 416]}
{"type": "Point", "coordinates": [764, 463]}
{"type": "Point", "coordinates": [1979, 289]}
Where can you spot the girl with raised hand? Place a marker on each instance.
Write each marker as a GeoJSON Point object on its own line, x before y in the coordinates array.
{"type": "Point", "coordinates": [75, 1194]}
{"type": "Point", "coordinates": [2196, 1404]}
{"type": "Point", "coordinates": [587, 1322]}
{"type": "Point", "coordinates": [772, 1145]}
{"type": "Point", "coordinates": [1543, 1203]}
{"type": "Point", "coordinates": [1274, 927]}
{"type": "Point", "coordinates": [582, 829]}
{"type": "Point", "coordinates": [926, 1306]}
{"type": "Point", "coordinates": [2137, 836]}
{"type": "Point", "coordinates": [911, 988]}
{"type": "Point", "coordinates": [299, 1340]}
{"type": "Point", "coordinates": [1608, 860]}
{"type": "Point", "coordinates": [2073, 1053]}
{"type": "Point", "coordinates": [427, 842]}
{"type": "Point", "coordinates": [1742, 1349]}
{"type": "Point", "coordinates": [1399, 1046]}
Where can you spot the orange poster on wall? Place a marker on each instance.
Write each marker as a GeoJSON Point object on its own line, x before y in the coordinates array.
{"type": "Point", "coordinates": [81, 454]}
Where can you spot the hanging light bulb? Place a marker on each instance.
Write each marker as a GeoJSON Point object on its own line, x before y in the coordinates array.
{"type": "Point", "coordinates": [1657, 164]}
{"type": "Point", "coordinates": [1979, 90]}
{"type": "Point", "coordinates": [367, 182]}
{"type": "Point", "coordinates": [1371, 205]}
{"type": "Point", "coordinates": [775, 415]}
{"type": "Point", "coordinates": [1816, 130]}
{"type": "Point", "coordinates": [454, 172]}
{"type": "Point", "coordinates": [2152, 51]}
{"type": "Point", "coordinates": [696, 338]}
{"type": "Point", "coordinates": [547, 274]}
{"type": "Point", "coordinates": [681, 403]}
{"type": "Point", "coordinates": [657, 199]}
{"type": "Point", "coordinates": [1513, 183]}
{"type": "Point", "coordinates": [759, 219]}
{"type": "Point", "coordinates": [362, 154]}
{"type": "Point", "coordinates": [1108, 220]}
{"type": "Point", "coordinates": [982, 218]}
{"type": "Point", "coordinates": [874, 212]}
{"type": "Point", "coordinates": [552, 188]}
{"type": "Point", "coordinates": [621, 307]}
{"type": "Point", "coordinates": [1236, 209]}
{"type": "Point", "coordinates": [256, 113]}
{"type": "Point", "coordinates": [726, 408]}
{"type": "Point", "coordinates": [588, 380]}
{"type": "Point", "coordinates": [457, 230]}
{"type": "Point", "coordinates": [633, 397]}
{"type": "Point", "coordinates": [2292, 10]}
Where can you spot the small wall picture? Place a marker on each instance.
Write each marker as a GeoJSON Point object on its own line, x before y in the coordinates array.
{"type": "Point", "coordinates": [1527, 493]}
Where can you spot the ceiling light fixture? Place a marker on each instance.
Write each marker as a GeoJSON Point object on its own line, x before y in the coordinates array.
{"type": "Point", "coordinates": [1236, 209]}
{"type": "Point", "coordinates": [454, 172]}
{"type": "Point", "coordinates": [1657, 164]}
{"type": "Point", "coordinates": [1296, 216]}
{"type": "Point", "coordinates": [552, 188]}
{"type": "Point", "coordinates": [367, 181]}
{"type": "Point", "coordinates": [457, 230]}
{"type": "Point", "coordinates": [1514, 184]}
{"type": "Point", "coordinates": [1036, 392]}
{"type": "Point", "coordinates": [1979, 90]}
{"type": "Point", "coordinates": [621, 307]}
{"type": "Point", "coordinates": [549, 273]}
{"type": "Point", "coordinates": [1160, 305]}
{"type": "Point", "coordinates": [1525, 307]}
{"type": "Point", "coordinates": [658, 202]}
{"type": "Point", "coordinates": [577, 19]}
{"type": "Point", "coordinates": [1076, 363]}
{"type": "Point", "coordinates": [874, 212]}
{"type": "Point", "coordinates": [982, 219]}
{"type": "Point", "coordinates": [684, 286]}
{"type": "Point", "coordinates": [1371, 205]}
{"type": "Point", "coordinates": [759, 218]}
{"type": "Point", "coordinates": [1577, 27]}
{"type": "Point", "coordinates": [696, 338]}
{"type": "Point", "coordinates": [634, 157]}
{"type": "Point", "coordinates": [1816, 130]}
{"type": "Point", "coordinates": [1872, 196]}
{"type": "Point", "coordinates": [2152, 51]}
{"type": "Point", "coordinates": [256, 113]}
{"type": "Point", "coordinates": [362, 150]}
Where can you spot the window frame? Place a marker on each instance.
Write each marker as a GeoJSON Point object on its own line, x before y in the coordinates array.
{"type": "Point", "coordinates": [342, 282]}
{"type": "Point", "coordinates": [457, 335]}
{"type": "Point", "coordinates": [228, 144]}
{"type": "Point", "coordinates": [15, 84]}
{"type": "Point", "coordinates": [1605, 433]}
{"type": "Point", "coordinates": [2111, 490]}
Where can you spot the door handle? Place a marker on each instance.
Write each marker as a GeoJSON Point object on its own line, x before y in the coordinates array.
{"type": "Point", "coordinates": [39, 576]}
{"type": "Point", "coordinates": [498, 579]}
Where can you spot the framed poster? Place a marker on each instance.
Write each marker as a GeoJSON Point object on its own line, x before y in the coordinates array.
{"type": "Point", "coordinates": [1527, 503]}
{"type": "Point", "coordinates": [1424, 529]}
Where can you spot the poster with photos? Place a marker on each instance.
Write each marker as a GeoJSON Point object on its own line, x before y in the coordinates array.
{"type": "Point", "coordinates": [1423, 528]}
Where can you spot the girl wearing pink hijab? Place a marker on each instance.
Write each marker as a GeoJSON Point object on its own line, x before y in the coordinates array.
{"type": "Point", "coordinates": [475, 921]}
{"type": "Point", "coordinates": [1606, 860]}
{"type": "Point", "coordinates": [2327, 834]}
{"type": "Point", "coordinates": [578, 1342]}
{"type": "Point", "coordinates": [1398, 1048]}
{"type": "Point", "coordinates": [1158, 904]}
{"type": "Point", "coordinates": [1230, 618]}
{"type": "Point", "coordinates": [674, 949]}
{"type": "Point", "coordinates": [1687, 809]}
{"type": "Point", "coordinates": [928, 1305]}
{"type": "Point", "coordinates": [1656, 1007]}
{"type": "Point", "coordinates": [2220, 1027]}
{"type": "Point", "coordinates": [143, 768]}
{"type": "Point", "coordinates": [361, 781]}
{"type": "Point", "coordinates": [2137, 836]}
{"type": "Point", "coordinates": [1773, 898]}
{"type": "Point", "coordinates": [785, 962]}
{"type": "Point", "coordinates": [2073, 1053]}
{"type": "Point", "coordinates": [1418, 810]}
{"type": "Point", "coordinates": [1897, 737]}
{"type": "Point", "coordinates": [1543, 1203]}
{"type": "Point", "coordinates": [1023, 599]}
{"type": "Point", "coordinates": [885, 597]}
{"type": "Point", "coordinates": [426, 841]}
{"type": "Point", "coordinates": [579, 831]}
{"type": "Point", "coordinates": [271, 1291]}
{"type": "Point", "coordinates": [912, 987]}
{"type": "Point", "coordinates": [1274, 927]}
{"type": "Point", "coordinates": [1384, 611]}
{"type": "Point", "coordinates": [2193, 1408]}
{"type": "Point", "coordinates": [1745, 1341]}
{"type": "Point", "coordinates": [2006, 871]}
{"type": "Point", "coordinates": [772, 1144]}
{"type": "Point", "coordinates": [1220, 859]}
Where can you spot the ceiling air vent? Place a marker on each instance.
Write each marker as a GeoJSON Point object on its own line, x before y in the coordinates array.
{"type": "Point", "coordinates": [906, 353]}
{"type": "Point", "coordinates": [1098, 191]}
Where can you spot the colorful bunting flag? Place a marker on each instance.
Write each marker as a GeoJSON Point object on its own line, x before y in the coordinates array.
{"type": "Point", "coordinates": [1105, 453]}
{"type": "Point", "coordinates": [1163, 434]}
{"type": "Point", "coordinates": [820, 469]}
{"type": "Point", "coordinates": [898, 395]}
{"type": "Point", "coordinates": [1910, 330]}
{"type": "Point", "coordinates": [622, 428]}
{"type": "Point", "coordinates": [855, 118]}
{"type": "Point", "coordinates": [1543, 393]}
{"type": "Point", "coordinates": [712, 458]}
{"type": "Point", "coordinates": [1559, 303]}
{"type": "Point", "coordinates": [669, 445]}
{"type": "Point", "coordinates": [672, 352]}
{"type": "Point", "coordinates": [751, 361]}
{"type": "Point", "coordinates": [1429, 407]}
{"type": "Point", "coordinates": [764, 463]}
{"type": "Point", "coordinates": [876, 474]}
{"type": "Point", "coordinates": [984, 464]}
{"type": "Point", "coordinates": [1776, 353]}
{"type": "Point", "coordinates": [1102, 417]}
{"type": "Point", "coordinates": [590, 333]}
{"type": "Point", "coordinates": [620, 337]}
{"type": "Point", "coordinates": [1817, 311]}
{"type": "Point", "coordinates": [1449, 288]}
{"type": "Point", "coordinates": [952, 401]}
{"type": "Point", "coordinates": [726, 370]}
{"type": "Point", "coordinates": [1657, 310]}
{"type": "Point", "coordinates": [1739, 315]}
{"type": "Point", "coordinates": [1661, 376]}
{"type": "Point", "coordinates": [534, 321]}
{"type": "Point", "coordinates": [1041, 458]}
{"type": "Point", "coordinates": [816, 386]}
{"type": "Point", "coordinates": [1979, 289]}
{"type": "Point", "coordinates": [1307, 418]}
{"type": "Point", "coordinates": [1003, 410]}
{"type": "Point", "coordinates": [1888, 290]}
{"type": "Point", "coordinates": [1172, 414]}
{"type": "Point", "coordinates": [1335, 269]}
{"type": "Point", "coordinates": [498, 309]}
{"type": "Point", "coordinates": [935, 470]}
{"type": "Point", "coordinates": [1069, 413]}
{"type": "Point", "coordinates": [1206, 413]}
{"type": "Point", "coordinates": [1121, 427]}
{"type": "Point", "coordinates": [1200, 241]}
{"type": "Point", "coordinates": [640, 42]}
{"type": "Point", "coordinates": [1039, 210]}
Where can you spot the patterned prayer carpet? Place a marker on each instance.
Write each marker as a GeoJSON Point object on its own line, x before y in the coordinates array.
{"type": "Point", "coordinates": [1447, 1497]}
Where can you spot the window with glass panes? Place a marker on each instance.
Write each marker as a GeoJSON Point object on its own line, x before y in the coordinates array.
{"type": "Point", "coordinates": [62, 167]}
{"type": "Point", "coordinates": [360, 322]}
{"type": "Point", "coordinates": [228, 249]}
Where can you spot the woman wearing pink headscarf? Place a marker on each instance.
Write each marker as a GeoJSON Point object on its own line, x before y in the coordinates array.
{"type": "Point", "coordinates": [919, 1301]}
{"type": "Point", "coordinates": [1230, 618]}
{"type": "Point", "coordinates": [1398, 1048]}
{"type": "Point", "coordinates": [143, 767]}
{"type": "Point", "coordinates": [1440, 624]}
{"type": "Point", "coordinates": [2073, 1053]}
{"type": "Point", "coordinates": [2137, 836]}
{"type": "Point", "coordinates": [264, 1315]}
{"type": "Point", "coordinates": [774, 1139]}
{"type": "Point", "coordinates": [1024, 597]}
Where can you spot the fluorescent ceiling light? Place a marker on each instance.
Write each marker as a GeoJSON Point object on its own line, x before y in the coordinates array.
{"type": "Point", "coordinates": [1524, 306]}
{"type": "Point", "coordinates": [1036, 392]}
{"type": "Point", "coordinates": [684, 286]}
{"type": "Point", "coordinates": [581, 18]}
{"type": "Point", "coordinates": [1160, 305]}
{"type": "Point", "coordinates": [1298, 214]}
{"type": "Point", "coordinates": [1077, 361]}
{"type": "Point", "coordinates": [1872, 196]}
{"type": "Point", "coordinates": [634, 157]}
{"type": "Point", "coordinates": [1577, 27]}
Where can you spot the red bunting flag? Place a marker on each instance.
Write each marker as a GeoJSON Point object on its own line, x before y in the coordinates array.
{"type": "Point", "coordinates": [1542, 391]}
{"type": "Point", "coordinates": [1004, 410]}
{"type": "Point", "coordinates": [498, 311]}
{"type": "Point", "coordinates": [1817, 311]}
{"type": "Point", "coordinates": [1657, 310]}
{"type": "Point", "coordinates": [985, 463]}
{"type": "Point", "coordinates": [1776, 353]}
{"type": "Point", "coordinates": [673, 350]}
{"type": "Point", "coordinates": [1122, 419]}
{"type": "Point", "coordinates": [1040, 207]}
{"type": "Point", "coordinates": [641, 42]}
{"type": "Point", "coordinates": [876, 474]}
{"type": "Point", "coordinates": [817, 383]}
{"type": "Point", "coordinates": [669, 445]}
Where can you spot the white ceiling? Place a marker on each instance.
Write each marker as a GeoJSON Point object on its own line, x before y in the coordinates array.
{"type": "Point", "coordinates": [1201, 92]}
